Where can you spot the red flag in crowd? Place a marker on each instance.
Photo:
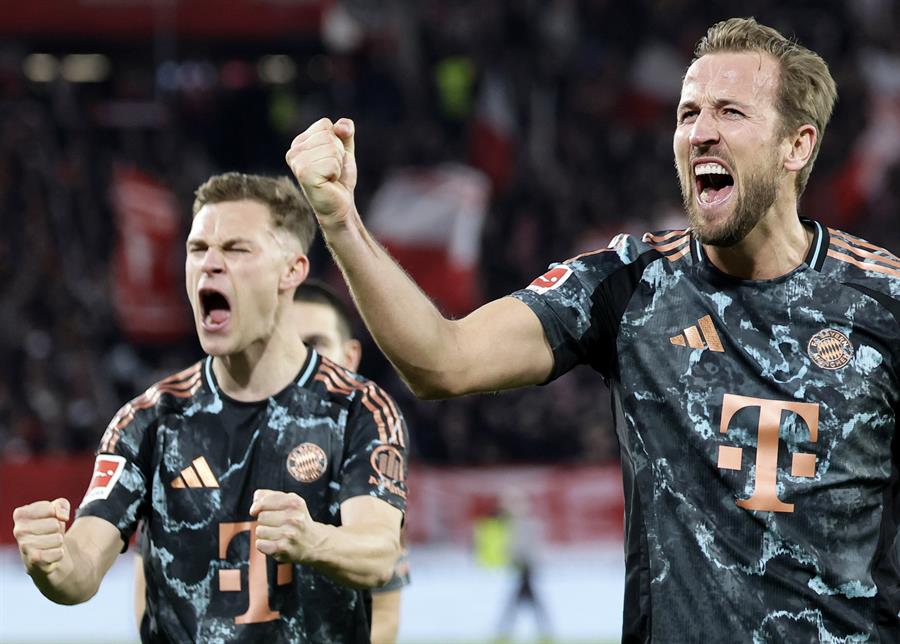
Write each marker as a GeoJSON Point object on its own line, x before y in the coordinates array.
{"type": "Point", "coordinates": [148, 287]}
{"type": "Point", "coordinates": [430, 220]}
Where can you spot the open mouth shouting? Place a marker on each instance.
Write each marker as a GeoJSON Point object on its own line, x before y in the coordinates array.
{"type": "Point", "coordinates": [215, 310]}
{"type": "Point", "coordinates": [713, 182]}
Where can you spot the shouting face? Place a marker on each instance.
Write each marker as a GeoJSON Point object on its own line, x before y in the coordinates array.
{"type": "Point", "coordinates": [235, 271]}
{"type": "Point", "coordinates": [726, 144]}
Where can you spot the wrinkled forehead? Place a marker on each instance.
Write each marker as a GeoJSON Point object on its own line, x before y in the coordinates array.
{"type": "Point", "coordinates": [749, 77]}
{"type": "Point", "coordinates": [232, 219]}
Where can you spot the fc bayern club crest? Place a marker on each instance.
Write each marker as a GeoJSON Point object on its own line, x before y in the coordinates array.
{"type": "Point", "coordinates": [307, 462]}
{"type": "Point", "coordinates": [830, 349]}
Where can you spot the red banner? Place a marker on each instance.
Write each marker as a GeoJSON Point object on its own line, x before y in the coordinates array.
{"type": "Point", "coordinates": [430, 220]}
{"type": "Point", "coordinates": [148, 282]}
{"type": "Point", "coordinates": [129, 18]}
{"type": "Point", "coordinates": [568, 505]}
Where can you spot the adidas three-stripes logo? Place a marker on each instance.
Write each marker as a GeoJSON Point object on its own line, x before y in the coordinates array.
{"type": "Point", "coordinates": [197, 474]}
{"type": "Point", "coordinates": [691, 336]}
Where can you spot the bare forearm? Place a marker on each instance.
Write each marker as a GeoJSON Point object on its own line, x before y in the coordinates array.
{"type": "Point", "coordinates": [501, 345]}
{"type": "Point", "coordinates": [74, 580]}
{"type": "Point", "coordinates": [408, 328]}
{"type": "Point", "coordinates": [385, 616]}
{"type": "Point", "coordinates": [359, 556]}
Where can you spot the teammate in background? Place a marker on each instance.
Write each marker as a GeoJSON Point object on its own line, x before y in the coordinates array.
{"type": "Point", "coordinates": [323, 321]}
{"type": "Point", "coordinates": [753, 361]}
{"type": "Point", "coordinates": [270, 481]}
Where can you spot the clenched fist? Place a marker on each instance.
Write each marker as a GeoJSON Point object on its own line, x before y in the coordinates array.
{"type": "Point", "coordinates": [322, 159]}
{"type": "Point", "coordinates": [40, 530]}
{"type": "Point", "coordinates": [284, 530]}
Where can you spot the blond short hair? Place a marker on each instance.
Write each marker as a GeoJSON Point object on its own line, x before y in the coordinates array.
{"type": "Point", "coordinates": [806, 89]}
{"type": "Point", "coordinates": [288, 206]}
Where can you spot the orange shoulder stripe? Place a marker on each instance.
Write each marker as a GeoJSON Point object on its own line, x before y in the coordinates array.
{"type": "Point", "coordinates": [330, 370]}
{"type": "Point", "coordinates": [859, 242]}
{"type": "Point", "coordinates": [866, 266]}
{"type": "Point", "coordinates": [348, 386]}
{"type": "Point", "coordinates": [385, 414]}
{"type": "Point", "coordinates": [186, 374]}
{"type": "Point", "coordinates": [678, 255]}
{"type": "Point", "coordinates": [675, 243]}
{"type": "Point", "coordinates": [182, 385]}
{"type": "Point", "coordinates": [332, 383]}
{"type": "Point", "coordinates": [650, 237]}
{"type": "Point", "coordinates": [864, 254]}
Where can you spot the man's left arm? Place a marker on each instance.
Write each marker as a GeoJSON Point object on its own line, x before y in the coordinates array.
{"type": "Point", "coordinates": [363, 550]}
{"type": "Point", "coordinates": [360, 553]}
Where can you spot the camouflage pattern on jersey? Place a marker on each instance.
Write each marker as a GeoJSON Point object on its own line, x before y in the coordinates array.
{"type": "Point", "coordinates": [757, 422]}
{"type": "Point", "coordinates": [191, 460]}
{"type": "Point", "coordinates": [400, 577]}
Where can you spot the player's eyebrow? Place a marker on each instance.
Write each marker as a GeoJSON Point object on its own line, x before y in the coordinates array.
{"type": "Point", "coordinates": [235, 241]}
{"type": "Point", "coordinates": [200, 242]}
{"type": "Point", "coordinates": [718, 103]}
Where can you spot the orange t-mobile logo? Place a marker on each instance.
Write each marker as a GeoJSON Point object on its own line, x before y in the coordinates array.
{"type": "Point", "coordinates": [765, 492]}
{"type": "Point", "coordinates": [258, 609]}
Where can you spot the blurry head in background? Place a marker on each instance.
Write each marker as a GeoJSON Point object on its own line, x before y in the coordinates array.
{"type": "Point", "coordinates": [323, 322]}
{"type": "Point", "coordinates": [753, 110]}
{"type": "Point", "coordinates": [246, 253]}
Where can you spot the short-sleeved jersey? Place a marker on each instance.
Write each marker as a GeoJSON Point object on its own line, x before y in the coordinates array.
{"type": "Point", "coordinates": [400, 577]}
{"type": "Point", "coordinates": [186, 459]}
{"type": "Point", "coordinates": [757, 422]}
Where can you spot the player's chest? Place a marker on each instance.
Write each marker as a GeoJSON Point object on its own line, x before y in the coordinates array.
{"type": "Point", "coordinates": [209, 469]}
{"type": "Point", "coordinates": [795, 340]}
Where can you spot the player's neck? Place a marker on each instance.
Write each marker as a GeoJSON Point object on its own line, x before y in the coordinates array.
{"type": "Point", "coordinates": [776, 246]}
{"type": "Point", "coordinates": [263, 369]}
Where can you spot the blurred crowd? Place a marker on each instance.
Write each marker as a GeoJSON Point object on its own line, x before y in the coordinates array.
{"type": "Point", "coordinates": [567, 106]}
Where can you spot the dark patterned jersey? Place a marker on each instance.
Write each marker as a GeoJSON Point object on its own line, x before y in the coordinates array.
{"type": "Point", "coordinates": [757, 422]}
{"type": "Point", "coordinates": [400, 577]}
{"type": "Point", "coordinates": [186, 459]}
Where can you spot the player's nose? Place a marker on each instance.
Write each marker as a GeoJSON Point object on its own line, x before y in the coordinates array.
{"type": "Point", "coordinates": [704, 130]}
{"type": "Point", "coordinates": [213, 261]}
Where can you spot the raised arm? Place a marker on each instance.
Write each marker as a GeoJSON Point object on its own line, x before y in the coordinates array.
{"type": "Point", "coordinates": [67, 567]}
{"type": "Point", "coordinates": [499, 346]}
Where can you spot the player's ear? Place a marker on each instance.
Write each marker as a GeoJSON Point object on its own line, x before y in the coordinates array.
{"type": "Point", "coordinates": [802, 143]}
{"type": "Point", "coordinates": [295, 273]}
{"type": "Point", "coordinates": [352, 354]}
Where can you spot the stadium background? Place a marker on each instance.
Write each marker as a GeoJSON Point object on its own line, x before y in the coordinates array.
{"type": "Point", "coordinates": [492, 137]}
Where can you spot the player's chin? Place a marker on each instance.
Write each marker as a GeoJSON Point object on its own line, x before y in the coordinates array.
{"type": "Point", "coordinates": [215, 345]}
{"type": "Point", "coordinates": [711, 217]}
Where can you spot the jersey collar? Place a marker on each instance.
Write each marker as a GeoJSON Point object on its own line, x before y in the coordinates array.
{"type": "Point", "coordinates": [306, 372]}
{"type": "Point", "coordinates": [815, 256]}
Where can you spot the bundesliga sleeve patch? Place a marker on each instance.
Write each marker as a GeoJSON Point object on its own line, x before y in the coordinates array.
{"type": "Point", "coordinates": [107, 470]}
{"type": "Point", "coordinates": [554, 278]}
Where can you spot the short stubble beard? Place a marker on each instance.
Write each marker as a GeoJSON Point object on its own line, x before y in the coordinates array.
{"type": "Point", "coordinates": [760, 188]}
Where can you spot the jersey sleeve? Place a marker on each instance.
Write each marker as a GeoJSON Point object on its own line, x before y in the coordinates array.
{"type": "Point", "coordinates": [580, 302]}
{"type": "Point", "coordinates": [119, 490]}
{"type": "Point", "coordinates": [375, 454]}
{"type": "Point", "coordinates": [400, 578]}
